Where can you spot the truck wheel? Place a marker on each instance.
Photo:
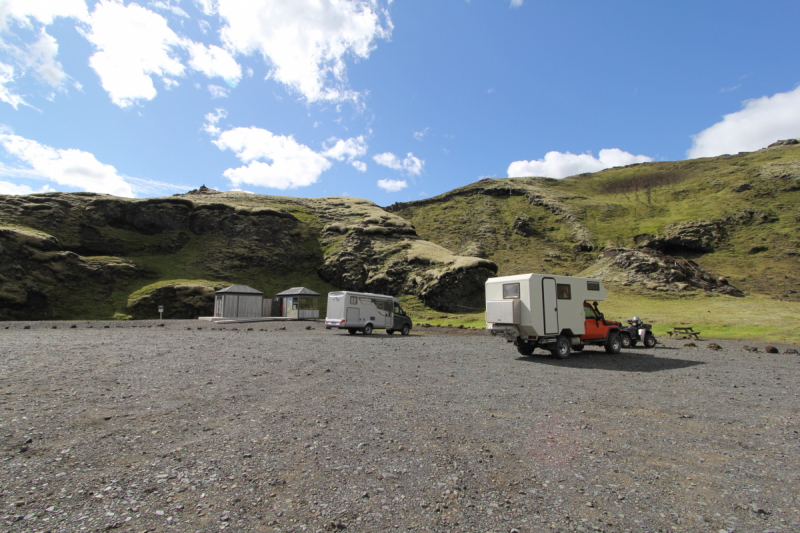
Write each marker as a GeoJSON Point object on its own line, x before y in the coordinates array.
{"type": "Point", "coordinates": [525, 349]}
{"type": "Point", "coordinates": [389, 331]}
{"type": "Point", "coordinates": [650, 340]}
{"type": "Point", "coordinates": [562, 348]}
{"type": "Point", "coordinates": [613, 344]}
{"type": "Point", "coordinates": [351, 331]}
{"type": "Point", "coordinates": [368, 329]}
{"type": "Point", "coordinates": [406, 329]}
{"type": "Point", "coordinates": [625, 340]}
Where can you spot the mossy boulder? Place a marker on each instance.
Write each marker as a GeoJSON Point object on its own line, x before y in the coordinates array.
{"type": "Point", "coordinates": [180, 298]}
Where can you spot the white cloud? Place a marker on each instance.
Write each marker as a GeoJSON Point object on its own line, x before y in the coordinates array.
{"type": "Point", "coordinates": [212, 119]}
{"type": "Point", "coordinates": [761, 122]}
{"type": "Point", "coordinates": [208, 7]}
{"type": "Point", "coordinates": [41, 55]}
{"type": "Point", "coordinates": [516, 3]}
{"type": "Point", "coordinates": [274, 161]}
{"type": "Point", "coordinates": [6, 77]}
{"type": "Point", "coordinates": [419, 135]}
{"type": "Point", "coordinates": [43, 11]}
{"type": "Point", "coordinates": [175, 9]}
{"type": "Point", "coordinates": [132, 45]}
{"type": "Point", "coordinates": [305, 41]}
{"type": "Point", "coordinates": [14, 189]}
{"type": "Point", "coordinates": [73, 168]}
{"type": "Point", "coordinates": [218, 92]}
{"type": "Point", "coordinates": [346, 149]}
{"type": "Point", "coordinates": [561, 165]}
{"type": "Point", "coordinates": [214, 61]}
{"type": "Point", "coordinates": [392, 185]}
{"type": "Point", "coordinates": [359, 165]}
{"type": "Point", "coordinates": [410, 164]}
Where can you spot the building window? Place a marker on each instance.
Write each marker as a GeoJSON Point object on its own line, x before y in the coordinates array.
{"type": "Point", "coordinates": [510, 290]}
{"type": "Point", "coordinates": [593, 285]}
{"type": "Point", "coordinates": [564, 291]}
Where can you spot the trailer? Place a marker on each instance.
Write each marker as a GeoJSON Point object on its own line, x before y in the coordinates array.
{"type": "Point", "coordinates": [550, 312]}
{"type": "Point", "coordinates": [365, 312]}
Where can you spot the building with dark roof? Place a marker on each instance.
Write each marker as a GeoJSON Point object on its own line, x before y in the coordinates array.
{"type": "Point", "coordinates": [238, 301]}
{"type": "Point", "coordinates": [298, 302]}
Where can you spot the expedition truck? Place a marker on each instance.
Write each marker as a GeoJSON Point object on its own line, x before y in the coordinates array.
{"type": "Point", "coordinates": [364, 312]}
{"type": "Point", "coordinates": [549, 312]}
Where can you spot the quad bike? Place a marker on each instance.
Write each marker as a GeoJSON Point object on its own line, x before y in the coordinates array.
{"type": "Point", "coordinates": [637, 331]}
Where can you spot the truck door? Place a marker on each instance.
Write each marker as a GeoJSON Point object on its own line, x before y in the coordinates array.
{"type": "Point", "coordinates": [549, 306]}
{"type": "Point", "coordinates": [353, 316]}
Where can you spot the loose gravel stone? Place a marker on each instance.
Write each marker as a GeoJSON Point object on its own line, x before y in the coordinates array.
{"type": "Point", "coordinates": [187, 429]}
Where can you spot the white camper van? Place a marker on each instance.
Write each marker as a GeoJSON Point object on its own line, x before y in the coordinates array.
{"type": "Point", "coordinates": [555, 313]}
{"type": "Point", "coordinates": [362, 311]}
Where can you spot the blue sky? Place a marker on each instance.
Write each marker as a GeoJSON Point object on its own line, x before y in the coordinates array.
{"type": "Point", "coordinates": [389, 101]}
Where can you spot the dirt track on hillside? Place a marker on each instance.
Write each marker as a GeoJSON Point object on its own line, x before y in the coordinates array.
{"type": "Point", "coordinates": [135, 427]}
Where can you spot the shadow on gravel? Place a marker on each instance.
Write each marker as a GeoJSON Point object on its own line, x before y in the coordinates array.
{"type": "Point", "coordinates": [622, 362]}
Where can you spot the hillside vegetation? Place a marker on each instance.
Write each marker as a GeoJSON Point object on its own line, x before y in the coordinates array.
{"type": "Point", "coordinates": [656, 233]}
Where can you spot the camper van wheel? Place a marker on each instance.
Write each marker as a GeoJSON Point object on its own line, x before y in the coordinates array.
{"type": "Point", "coordinates": [368, 329]}
{"type": "Point", "coordinates": [406, 329]}
{"type": "Point", "coordinates": [562, 348]}
{"type": "Point", "coordinates": [351, 331]}
{"type": "Point", "coordinates": [649, 340]}
{"type": "Point", "coordinates": [525, 349]}
{"type": "Point", "coordinates": [625, 340]}
{"type": "Point", "coordinates": [390, 332]}
{"type": "Point", "coordinates": [613, 343]}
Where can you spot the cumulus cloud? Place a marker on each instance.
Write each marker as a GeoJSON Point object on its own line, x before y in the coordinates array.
{"type": "Point", "coordinates": [761, 122]}
{"type": "Point", "coordinates": [274, 161]}
{"type": "Point", "coordinates": [359, 165]}
{"type": "Point", "coordinates": [173, 8]}
{"type": "Point", "coordinates": [305, 41]}
{"type": "Point", "coordinates": [346, 149]}
{"type": "Point", "coordinates": [72, 168]}
{"type": "Point", "coordinates": [214, 61]}
{"type": "Point", "coordinates": [212, 119]}
{"type": "Point", "coordinates": [392, 185]}
{"type": "Point", "coordinates": [412, 165]}
{"type": "Point", "coordinates": [561, 165]}
{"type": "Point", "coordinates": [132, 45]}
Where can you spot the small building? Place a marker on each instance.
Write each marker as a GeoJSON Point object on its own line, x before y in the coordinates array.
{"type": "Point", "coordinates": [238, 301]}
{"type": "Point", "coordinates": [299, 303]}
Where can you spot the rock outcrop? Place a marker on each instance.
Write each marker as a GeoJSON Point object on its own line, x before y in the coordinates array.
{"type": "Point", "coordinates": [180, 299]}
{"type": "Point", "coordinates": [651, 270]}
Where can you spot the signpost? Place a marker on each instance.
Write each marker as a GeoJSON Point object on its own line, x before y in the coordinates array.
{"type": "Point", "coordinates": [161, 313]}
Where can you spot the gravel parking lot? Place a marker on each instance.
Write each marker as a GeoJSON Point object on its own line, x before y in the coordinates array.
{"type": "Point", "coordinates": [274, 427]}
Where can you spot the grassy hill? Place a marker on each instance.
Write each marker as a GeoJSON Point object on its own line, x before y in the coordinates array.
{"type": "Point", "coordinates": [85, 255]}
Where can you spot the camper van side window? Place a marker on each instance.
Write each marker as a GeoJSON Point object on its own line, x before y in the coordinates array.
{"type": "Point", "coordinates": [564, 291]}
{"type": "Point", "coordinates": [353, 300]}
{"type": "Point", "coordinates": [593, 285]}
{"type": "Point", "coordinates": [511, 290]}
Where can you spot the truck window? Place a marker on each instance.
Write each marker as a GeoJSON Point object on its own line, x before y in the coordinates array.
{"type": "Point", "coordinates": [510, 290]}
{"type": "Point", "coordinates": [564, 291]}
{"type": "Point", "coordinates": [593, 285]}
{"type": "Point", "coordinates": [589, 312]}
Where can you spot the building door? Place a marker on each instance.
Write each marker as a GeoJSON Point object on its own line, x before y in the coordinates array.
{"type": "Point", "coordinates": [550, 306]}
{"type": "Point", "coordinates": [218, 306]}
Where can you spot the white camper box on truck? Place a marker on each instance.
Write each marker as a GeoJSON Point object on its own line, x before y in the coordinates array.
{"type": "Point", "coordinates": [363, 311]}
{"type": "Point", "coordinates": [549, 312]}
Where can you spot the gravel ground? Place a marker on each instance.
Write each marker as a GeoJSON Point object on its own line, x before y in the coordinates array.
{"type": "Point", "coordinates": [134, 427]}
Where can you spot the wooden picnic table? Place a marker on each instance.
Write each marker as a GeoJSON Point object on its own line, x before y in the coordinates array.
{"type": "Point", "coordinates": [684, 332]}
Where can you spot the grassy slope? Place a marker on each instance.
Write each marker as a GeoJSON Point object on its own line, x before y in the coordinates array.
{"type": "Point", "coordinates": [616, 205]}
